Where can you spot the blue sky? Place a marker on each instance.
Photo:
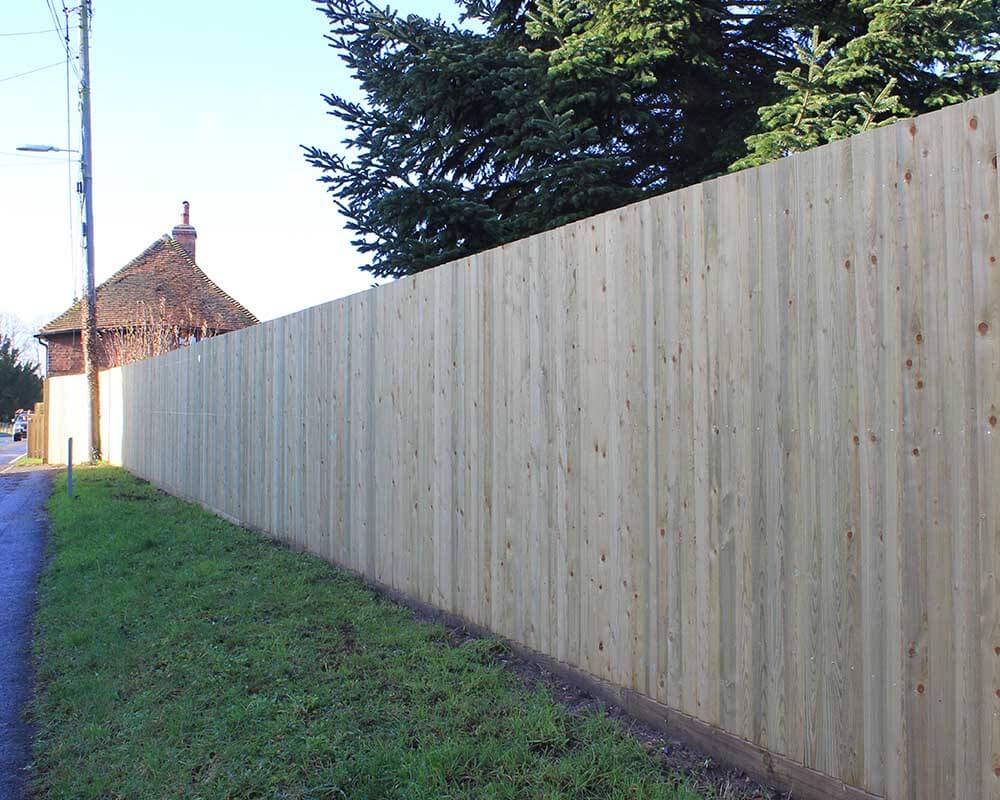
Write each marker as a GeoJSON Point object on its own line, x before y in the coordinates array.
{"type": "Point", "coordinates": [192, 100]}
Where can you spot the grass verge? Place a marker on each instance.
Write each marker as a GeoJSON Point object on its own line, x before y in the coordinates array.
{"type": "Point", "coordinates": [181, 656]}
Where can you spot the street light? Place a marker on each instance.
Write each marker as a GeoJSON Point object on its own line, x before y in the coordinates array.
{"type": "Point", "coordinates": [89, 305]}
{"type": "Point", "coordinates": [45, 148]}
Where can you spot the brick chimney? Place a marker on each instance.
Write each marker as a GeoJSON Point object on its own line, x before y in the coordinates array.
{"type": "Point", "coordinates": [185, 234]}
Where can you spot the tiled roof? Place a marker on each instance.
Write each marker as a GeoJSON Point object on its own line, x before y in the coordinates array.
{"type": "Point", "coordinates": [162, 281]}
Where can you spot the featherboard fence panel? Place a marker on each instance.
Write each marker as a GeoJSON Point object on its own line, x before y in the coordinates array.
{"type": "Point", "coordinates": [731, 450]}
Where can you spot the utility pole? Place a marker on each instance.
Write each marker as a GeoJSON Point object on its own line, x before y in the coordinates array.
{"type": "Point", "coordinates": [89, 305]}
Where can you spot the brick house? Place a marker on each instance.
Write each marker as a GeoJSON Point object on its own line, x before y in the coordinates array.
{"type": "Point", "coordinates": [159, 301]}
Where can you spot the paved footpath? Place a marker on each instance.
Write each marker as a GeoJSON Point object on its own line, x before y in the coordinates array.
{"type": "Point", "coordinates": [23, 526]}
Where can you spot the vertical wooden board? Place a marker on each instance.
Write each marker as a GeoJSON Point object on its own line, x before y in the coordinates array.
{"type": "Point", "coordinates": [354, 435]}
{"type": "Point", "coordinates": [795, 258]}
{"type": "Point", "coordinates": [504, 603]}
{"type": "Point", "coordinates": [295, 432]}
{"type": "Point", "coordinates": [362, 432]}
{"type": "Point", "coordinates": [331, 443]}
{"type": "Point", "coordinates": [386, 429]}
{"type": "Point", "coordinates": [551, 271]}
{"type": "Point", "coordinates": [846, 692]}
{"type": "Point", "coordinates": [614, 252]}
{"type": "Point", "coordinates": [773, 287]}
{"type": "Point", "coordinates": [746, 267]}
{"type": "Point", "coordinates": [536, 592]}
{"type": "Point", "coordinates": [739, 425]}
{"type": "Point", "coordinates": [439, 476]}
{"type": "Point", "coordinates": [380, 428]}
{"type": "Point", "coordinates": [756, 577]}
{"type": "Point", "coordinates": [780, 428]}
{"type": "Point", "coordinates": [412, 414]}
{"type": "Point", "coordinates": [804, 472]}
{"type": "Point", "coordinates": [932, 379]}
{"type": "Point", "coordinates": [569, 252]}
{"type": "Point", "coordinates": [884, 656]}
{"type": "Point", "coordinates": [278, 412]}
{"type": "Point", "coordinates": [986, 286]}
{"type": "Point", "coordinates": [962, 332]}
{"type": "Point", "coordinates": [697, 541]}
{"type": "Point", "coordinates": [645, 656]}
{"type": "Point", "coordinates": [626, 444]}
{"type": "Point", "coordinates": [707, 503]}
{"type": "Point", "coordinates": [594, 470]}
{"type": "Point", "coordinates": [834, 421]}
{"type": "Point", "coordinates": [887, 741]}
{"type": "Point", "coordinates": [459, 437]}
{"type": "Point", "coordinates": [864, 666]}
{"type": "Point", "coordinates": [913, 611]}
{"type": "Point", "coordinates": [521, 461]}
{"type": "Point", "coordinates": [672, 384]}
{"type": "Point", "coordinates": [730, 230]}
{"type": "Point", "coordinates": [468, 531]}
{"type": "Point", "coordinates": [485, 350]}
{"type": "Point", "coordinates": [342, 476]}
{"type": "Point", "coordinates": [514, 454]}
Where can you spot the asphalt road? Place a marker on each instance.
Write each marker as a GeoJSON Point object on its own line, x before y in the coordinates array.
{"type": "Point", "coordinates": [10, 450]}
{"type": "Point", "coordinates": [23, 527]}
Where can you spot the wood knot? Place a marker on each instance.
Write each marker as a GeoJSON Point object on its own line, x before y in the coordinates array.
{"type": "Point", "coordinates": [857, 440]}
{"type": "Point", "coordinates": [909, 363]}
{"type": "Point", "coordinates": [973, 123]}
{"type": "Point", "coordinates": [919, 338]}
{"type": "Point", "coordinates": [983, 328]}
{"type": "Point", "coordinates": [850, 535]}
{"type": "Point", "coordinates": [600, 645]}
{"type": "Point", "coordinates": [908, 176]}
{"type": "Point", "coordinates": [920, 384]}
{"type": "Point", "coordinates": [913, 650]}
{"type": "Point", "coordinates": [847, 264]}
{"type": "Point", "coordinates": [920, 688]}
{"type": "Point", "coordinates": [913, 130]}
{"type": "Point", "coordinates": [916, 451]}
{"type": "Point", "coordinates": [993, 420]}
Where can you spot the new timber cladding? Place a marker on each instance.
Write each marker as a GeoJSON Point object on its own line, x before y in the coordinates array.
{"type": "Point", "coordinates": [733, 448]}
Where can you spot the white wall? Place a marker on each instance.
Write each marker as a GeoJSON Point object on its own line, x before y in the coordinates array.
{"type": "Point", "coordinates": [68, 417]}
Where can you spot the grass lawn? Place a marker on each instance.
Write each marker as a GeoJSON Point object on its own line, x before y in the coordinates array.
{"type": "Point", "coordinates": [181, 656]}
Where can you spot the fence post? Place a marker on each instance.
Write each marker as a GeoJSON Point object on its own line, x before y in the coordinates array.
{"type": "Point", "coordinates": [69, 467]}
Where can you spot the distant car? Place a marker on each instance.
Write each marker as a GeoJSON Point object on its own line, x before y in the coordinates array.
{"type": "Point", "coordinates": [20, 423]}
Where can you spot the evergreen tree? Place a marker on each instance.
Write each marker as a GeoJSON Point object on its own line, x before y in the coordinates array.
{"type": "Point", "coordinates": [20, 383]}
{"type": "Point", "coordinates": [532, 113]}
{"type": "Point", "coordinates": [899, 59]}
{"type": "Point", "coordinates": [542, 113]}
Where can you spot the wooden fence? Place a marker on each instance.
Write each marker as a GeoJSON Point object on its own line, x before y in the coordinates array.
{"type": "Point", "coordinates": [38, 434]}
{"type": "Point", "coordinates": [731, 449]}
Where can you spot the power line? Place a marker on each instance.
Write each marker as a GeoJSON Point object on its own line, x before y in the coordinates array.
{"type": "Point", "coordinates": [26, 33]}
{"type": "Point", "coordinates": [69, 159]}
{"type": "Point", "coordinates": [57, 28]}
{"type": "Point", "coordinates": [31, 71]}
